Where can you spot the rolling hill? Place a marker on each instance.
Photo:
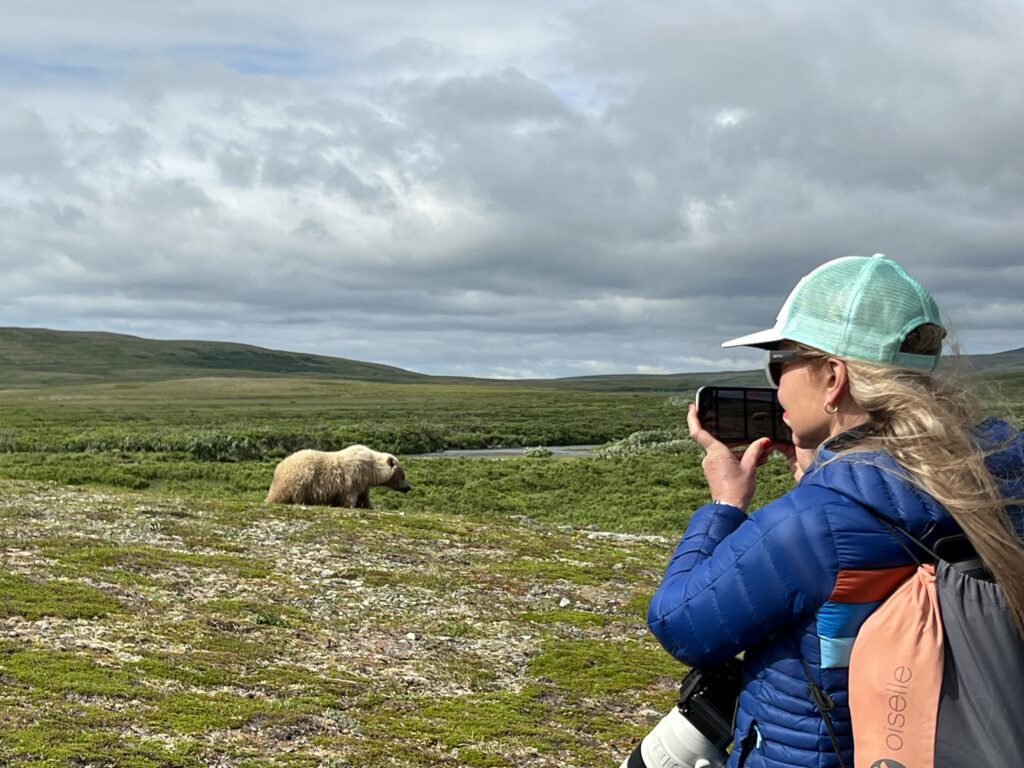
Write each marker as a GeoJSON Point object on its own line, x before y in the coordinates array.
{"type": "Point", "coordinates": [32, 356]}
{"type": "Point", "coordinates": [38, 356]}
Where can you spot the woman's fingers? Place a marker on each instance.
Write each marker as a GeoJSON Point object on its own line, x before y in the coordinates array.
{"type": "Point", "coordinates": [789, 451]}
{"type": "Point", "coordinates": [757, 454]}
{"type": "Point", "coordinates": [732, 476]}
{"type": "Point", "coordinates": [799, 459]}
{"type": "Point", "coordinates": [702, 437]}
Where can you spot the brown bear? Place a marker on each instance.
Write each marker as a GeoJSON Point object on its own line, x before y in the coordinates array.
{"type": "Point", "coordinates": [335, 478]}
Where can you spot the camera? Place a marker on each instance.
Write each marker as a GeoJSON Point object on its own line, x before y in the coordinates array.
{"type": "Point", "coordinates": [696, 732]}
{"type": "Point", "coordinates": [742, 414]}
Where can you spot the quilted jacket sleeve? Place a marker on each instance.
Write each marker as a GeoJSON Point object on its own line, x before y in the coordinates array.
{"type": "Point", "coordinates": [734, 580]}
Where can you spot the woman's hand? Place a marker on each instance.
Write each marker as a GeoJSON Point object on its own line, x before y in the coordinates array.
{"type": "Point", "coordinates": [731, 479]}
{"type": "Point", "coordinates": [799, 459]}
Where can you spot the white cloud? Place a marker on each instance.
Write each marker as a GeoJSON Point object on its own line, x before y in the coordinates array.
{"type": "Point", "coordinates": [730, 118]}
{"type": "Point", "coordinates": [518, 190]}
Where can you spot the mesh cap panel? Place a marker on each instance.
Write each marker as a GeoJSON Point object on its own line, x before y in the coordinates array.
{"type": "Point", "coordinates": [858, 307]}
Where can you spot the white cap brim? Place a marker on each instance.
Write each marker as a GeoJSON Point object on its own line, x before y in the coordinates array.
{"type": "Point", "coordinates": [763, 339]}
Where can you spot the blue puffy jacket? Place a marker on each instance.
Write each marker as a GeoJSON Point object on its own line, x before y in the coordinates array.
{"type": "Point", "coordinates": [790, 585]}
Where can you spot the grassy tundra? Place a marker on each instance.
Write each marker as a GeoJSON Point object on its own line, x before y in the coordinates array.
{"type": "Point", "coordinates": [154, 611]}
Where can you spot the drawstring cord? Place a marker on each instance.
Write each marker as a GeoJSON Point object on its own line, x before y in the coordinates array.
{"type": "Point", "coordinates": [824, 704]}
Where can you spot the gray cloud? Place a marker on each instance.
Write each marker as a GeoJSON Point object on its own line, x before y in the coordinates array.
{"type": "Point", "coordinates": [475, 188]}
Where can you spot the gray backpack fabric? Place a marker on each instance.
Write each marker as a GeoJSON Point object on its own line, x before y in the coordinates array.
{"type": "Point", "coordinates": [981, 704]}
{"type": "Point", "coordinates": [980, 721]}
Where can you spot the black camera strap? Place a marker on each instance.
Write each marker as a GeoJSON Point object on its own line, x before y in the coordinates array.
{"type": "Point", "coordinates": [824, 704]}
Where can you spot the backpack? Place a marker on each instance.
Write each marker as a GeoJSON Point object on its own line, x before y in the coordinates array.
{"type": "Point", "coordinates": [937, 672]}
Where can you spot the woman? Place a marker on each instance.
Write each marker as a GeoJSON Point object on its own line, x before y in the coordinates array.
{"type": "Point", "coordinates": [876, 436]}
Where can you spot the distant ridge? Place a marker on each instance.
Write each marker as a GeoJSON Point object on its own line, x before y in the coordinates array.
{"type": "Point", "coordinates": [1011, 360]}
{"type": "Point", "coordinates": [40, 356]}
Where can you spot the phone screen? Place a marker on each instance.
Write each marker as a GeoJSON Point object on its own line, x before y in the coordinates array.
{"type": "Point", "coordinates": [742, 414]}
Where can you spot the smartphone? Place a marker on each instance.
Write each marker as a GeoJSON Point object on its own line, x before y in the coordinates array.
{"type": "Point", "coordinates": [742, 414]}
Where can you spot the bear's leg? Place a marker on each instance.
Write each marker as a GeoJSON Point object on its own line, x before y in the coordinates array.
{"type": "Point", "coordinates": [363, 501]}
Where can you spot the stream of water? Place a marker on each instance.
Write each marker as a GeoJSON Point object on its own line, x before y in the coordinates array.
{"type": "Point", "coordinates": [498, 453]}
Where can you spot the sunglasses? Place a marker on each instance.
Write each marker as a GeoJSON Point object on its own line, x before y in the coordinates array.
{"type": "Point", "coordinates": [774, 359]}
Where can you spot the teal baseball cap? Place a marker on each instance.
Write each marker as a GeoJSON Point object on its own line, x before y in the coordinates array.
{"type": "Point", "coordinates": [859, 307]}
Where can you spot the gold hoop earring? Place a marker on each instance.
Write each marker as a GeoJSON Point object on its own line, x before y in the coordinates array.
{"type": "Point", "coordinates": [835, 409]}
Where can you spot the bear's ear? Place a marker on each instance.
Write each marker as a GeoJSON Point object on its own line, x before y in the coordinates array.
{"type": "Point", "coordinates": [391, 461]}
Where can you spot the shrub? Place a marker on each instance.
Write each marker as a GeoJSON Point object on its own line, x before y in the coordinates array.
{"type": "Point", "coordinates": [8, 441]}
{"type": "Point", "coordinates": [651, 440]}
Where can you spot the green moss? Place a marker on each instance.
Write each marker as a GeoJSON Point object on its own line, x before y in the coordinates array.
{"type": "Point", "coordinates": [227, 644]}
{"type": "Point", "coordinates": [460, 629]}
{"type": "Point", "coordinates": [32, 599]}
{"type": "Point", "coordinates": [46, 672]}
{"type": "Point", "coordinates": [193, 713]}
{"type": "Point", "coordinates": [528, 569]}
{"type": "Point", "coordinates": [474, 719]}
{"type": "Point", "coordinates": [406, 578]}
{"type": "Point", "coordinates": [187, 669]}
{"type": "Point", "coordinates": [469, 756]}
{"type": "Point", "coordinates": [90, 556]}
{"type": "Point", "coordinates": [605, 669]}
{"type": "Point", "coordinates": [564, 616]}
{"type": "Point", "coordinates": [61, 741]}
{"type": "Point", "coordinates": [637, 604]}
{"type": "Point", "coordinates": [259, 613]}
{"type": "Point", "coordinates": [541, 719]}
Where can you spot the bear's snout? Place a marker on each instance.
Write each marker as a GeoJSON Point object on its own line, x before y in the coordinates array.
{"type": "Point", "coordinates": [398, 482]}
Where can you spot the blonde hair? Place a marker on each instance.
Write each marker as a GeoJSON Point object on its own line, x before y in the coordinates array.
{"type": "Point", "coordinates": [926, 422]}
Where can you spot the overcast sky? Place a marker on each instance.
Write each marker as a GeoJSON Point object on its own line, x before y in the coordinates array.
{"type": "Point", "coordinates": [504, 189]}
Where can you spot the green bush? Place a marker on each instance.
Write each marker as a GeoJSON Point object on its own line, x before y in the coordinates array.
{"type": "Point", "coordinates": [659, 440]}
